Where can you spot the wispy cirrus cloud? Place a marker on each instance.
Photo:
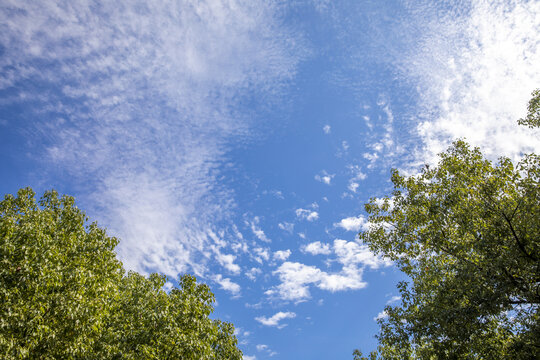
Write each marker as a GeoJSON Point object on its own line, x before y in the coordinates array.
{"type": "Point", "coordinates": [142, 99]}
{"type": "Point", "coordinates": [475, 68]}
{"type": "Point", "coordinates": [462, 69]}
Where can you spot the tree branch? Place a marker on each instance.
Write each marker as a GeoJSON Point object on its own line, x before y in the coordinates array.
{"type": "Point", "coordinates": [519, 243]}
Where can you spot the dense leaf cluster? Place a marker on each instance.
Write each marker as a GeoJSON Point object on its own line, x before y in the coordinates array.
{"type": "Point", "coordinates": [64, 294]}
{"type": "Point", "coordinates": [467, 233]}
{"type": "Point", "coordinates": [532, 119]}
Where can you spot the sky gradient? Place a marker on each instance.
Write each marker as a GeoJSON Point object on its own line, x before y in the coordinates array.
{"type": "Point", "coordinates": [238, 140]}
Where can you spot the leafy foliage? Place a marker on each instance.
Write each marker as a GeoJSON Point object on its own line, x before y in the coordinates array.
{"type": "Point", "coordinates": [467, 233]}
{"type": "Point", "coordinates": [64, 294]}
{"type": "Point", "coordinates": [533, 111]}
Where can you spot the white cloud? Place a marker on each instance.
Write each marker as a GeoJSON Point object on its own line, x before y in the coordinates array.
{"type": "Point", "coordinates": [282, 254]}
{"type": "Point", "coordinates": [356, 172]}
{"type": "Point", "coordinates": [350, 279]}
{"type": "Point", "coordinates": [227, 285]}
{"type": "Point", "coordinates": [325, 177]}
{"type": "Point", "coordinates": [168, 286]}
{"type": "Point", "coordinates": [308, 215]}
{"type": "Point", "coordinates": [353, 186]}
{"type": "Point", "coordinates": [254, 306]}
{"type": "Point", "coordinates": [237, 232]}
{"type": "Point", "coordinates": [380, 316]}
{"type": "Point", "coordinates": [261, 254]}
{"type": "Point", "coordinates": [278, 194]}
{"type": "Point", "coordinates": [259, 233]}
{"type": "Point", "coordinates": [351, 253]}
{"type": "Point", "coordinates": [288, 227]}
{"type": "Point", "coordinates": [475, 71]}
{"type": "Point", "coordinates": [353, 223]}
{"type": "Point", "coordinates": [275, 319]}
{"type": "Point", "coordinates": [381, 201]}
{"type": "Point", "coordinates": [372, 158]}
{"type": "Point", "coordinates": [237, 331]}
{"type": "Point", "coordinates": [296, 277]}
{"type": "Point", "coordinates": [240, 246]}
{"type": "Point", "coordinates": [248, 357]}
{"type": "Point", "coordinates": [227, 261]}
{"type": "Point", "coordinates": [393, 299]}
{"type": "Point", "coordinates": [316, 248]}
{"type": "Point", "coordinates": [326, 129]}
{"type": "Point", "coordinates": [253, 272]}
{"type": "Point", "coordinates": [368, 122]}
{"type": "Point", "coordinates": [265, 348]}
{"type": "Point", "coordinates": [152, 99]}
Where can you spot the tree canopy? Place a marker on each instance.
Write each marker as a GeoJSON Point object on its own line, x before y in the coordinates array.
{"type": "Point", "coordinates": [532, 119]}
{"type": "Point", "coordinates": [64, 294]}
{"type": "Point", "coordinates": [467, 233]}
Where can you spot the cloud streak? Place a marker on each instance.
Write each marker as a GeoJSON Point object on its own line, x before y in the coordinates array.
{"type": "Point", "coordinates": [275, 319]}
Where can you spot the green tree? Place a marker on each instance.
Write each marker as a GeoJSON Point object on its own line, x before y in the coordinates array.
{"type": "Point", "coordinates": [64, 294]}
{"type": "Point", "coordinates": [532, 119]}
{"type": "Point", "coordinates": [467, 233]}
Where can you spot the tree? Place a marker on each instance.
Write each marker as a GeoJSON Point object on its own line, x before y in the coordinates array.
{"type": "Point", "coordinates": [532, 119]}
{"type": "Point", "coordinates": [64, 294]}
{"type": "Point", "coordinates": [467, 233]}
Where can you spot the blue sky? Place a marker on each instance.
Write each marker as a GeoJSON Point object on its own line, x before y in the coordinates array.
{"type": "Point", "coordinates": [239, 140]}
